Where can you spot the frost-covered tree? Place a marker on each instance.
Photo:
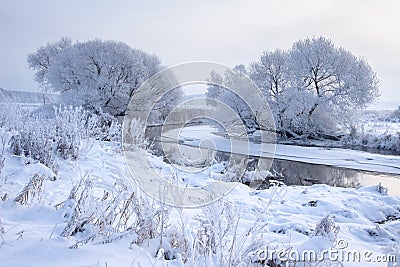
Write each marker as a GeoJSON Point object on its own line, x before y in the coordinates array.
{"type": "Point", "coordinates": [270, 72]}
{"type": "Point", "coordinates": [99, 75]}
{"type": "Point", "coordinates": [314, 85]}
{"type": "Point", "coordinates": [44, 57]}
{"type": "Point", "coordinates": [234, 90]}
{"type": "Point", "coordinates": [334, 75]}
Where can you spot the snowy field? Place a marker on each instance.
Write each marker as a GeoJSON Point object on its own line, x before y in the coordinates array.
{"type": "Point", "coordinates": [364, 220]}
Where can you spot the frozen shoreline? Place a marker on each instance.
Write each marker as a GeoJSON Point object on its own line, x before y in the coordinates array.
{"type": "Point", "coordinates": [338, 157]}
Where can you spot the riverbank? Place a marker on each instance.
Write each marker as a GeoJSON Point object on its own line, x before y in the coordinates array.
{"type": "Point", "coordinates": [364, 220]}
{"type": "Point", "coordinates": [339, 157]}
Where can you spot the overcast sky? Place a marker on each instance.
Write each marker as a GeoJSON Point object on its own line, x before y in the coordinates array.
{"type": "Point", "coordinates": [229, 32]}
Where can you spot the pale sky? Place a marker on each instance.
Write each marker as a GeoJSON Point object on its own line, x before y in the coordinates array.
{"type": "Point", "coordinates": [228, 32]}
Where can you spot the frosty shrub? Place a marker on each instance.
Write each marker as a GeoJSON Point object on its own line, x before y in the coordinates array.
{"type": "Point", "coordinates": [36, 140]}
{"type": "Point", "coordinates": [58, 131]}
{"type": "Point", "coordinates": [180, 238]}
{"type": "Point", "coordinates": [99, 212]}
{"type": "Point", "coordinates": [43, 138]}
{"type": "Point", "coordinates": [135, 135]}
{"type": "Point", "coordinates": [381, 189]}
{"type": "Point", "coordinates": [219, 242]}
{"type": "Point", "coordinates": [11, 116]}
{"type": "Point", "coordinates": [102, 127]}
{"type": "Point", "coordinates": [31, 192]}
{"type": "Point", "coordinates": [385, 141]}
{"type": "Point", "coordinates": [234, 170]}
{"type": "Point", "coordinates": [326, 227]}
{"type": "Point", "coordinates": [69, 126]}
{"type": "Point", "coordinates": [395, 117]}
{"type": "Point", "coordinates": [217, 221]}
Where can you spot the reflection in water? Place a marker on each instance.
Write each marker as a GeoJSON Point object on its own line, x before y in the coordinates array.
{"type": "Point", "coordinates": [300, 173]}
{"type": "Point", "coordinates": [297, 173]}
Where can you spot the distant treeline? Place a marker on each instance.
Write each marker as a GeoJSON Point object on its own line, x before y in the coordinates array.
{"type": "Point", "coordinates": [8, 96]}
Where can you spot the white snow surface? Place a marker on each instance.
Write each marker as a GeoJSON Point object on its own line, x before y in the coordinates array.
{"type": "Point", "coordinates": [32, 234]}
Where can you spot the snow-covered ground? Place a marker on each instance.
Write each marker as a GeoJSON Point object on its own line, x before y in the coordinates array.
{"type": "Point", "coordinates": [367, 221]}
{"type": "Point", "coordinates": [345, 158]}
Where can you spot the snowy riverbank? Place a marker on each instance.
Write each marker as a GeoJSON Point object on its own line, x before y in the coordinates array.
{"type": "Point", "coordinates": [367, 220]}
{"type": "Point", "coordinates": [345, 158]}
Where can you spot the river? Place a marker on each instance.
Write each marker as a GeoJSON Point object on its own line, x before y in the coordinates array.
{"type": "Point", "coordinates": [295, 172]}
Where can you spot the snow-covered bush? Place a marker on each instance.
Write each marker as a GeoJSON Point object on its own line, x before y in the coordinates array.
{"type": "Point", "coordinates": [234, 170]}
{"type": "Point", "coordinates": [103, 127]}
{"type": "Point", "coordinates": [35, 139]}
{"type": "Point", "coordinates": [39, 140]}
{"type": "Point", "coordinates": [134, 134]}
{"type": "Point", "coordinates": [12, 116]}
{"type": "Point", "coordinates": [69, 126]}
{"type": "Point", "coordinates": [395, 116]}
{"type": "Point", "coordinates": [326, 227]}
{"type": "Point", "coordinates": [3, 141]}
{"type": "Point", "coordinates": [374, 130]}
{"type": "Point", "coordinates": [43, 138]}
{"type": "Point", "coordinates": [151, 219]}
{"type": "Point", "coordinates": [217, 221]}
{"type": "Point", "coordinates": [31, 191]}
{"type": "Point", "coordinates": [180, 238]}
{"type": "Point", "coordinates": [389, 142]}
{"type": "Point", "coordinates": [49, 132]}
{"type": "Point", "coordinates": [219, 242]}
{"type": "Point", "coordinates": [100, 212]}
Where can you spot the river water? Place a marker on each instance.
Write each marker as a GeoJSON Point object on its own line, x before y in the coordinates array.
{"type": "Point", "coordinates": [300, 173]}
